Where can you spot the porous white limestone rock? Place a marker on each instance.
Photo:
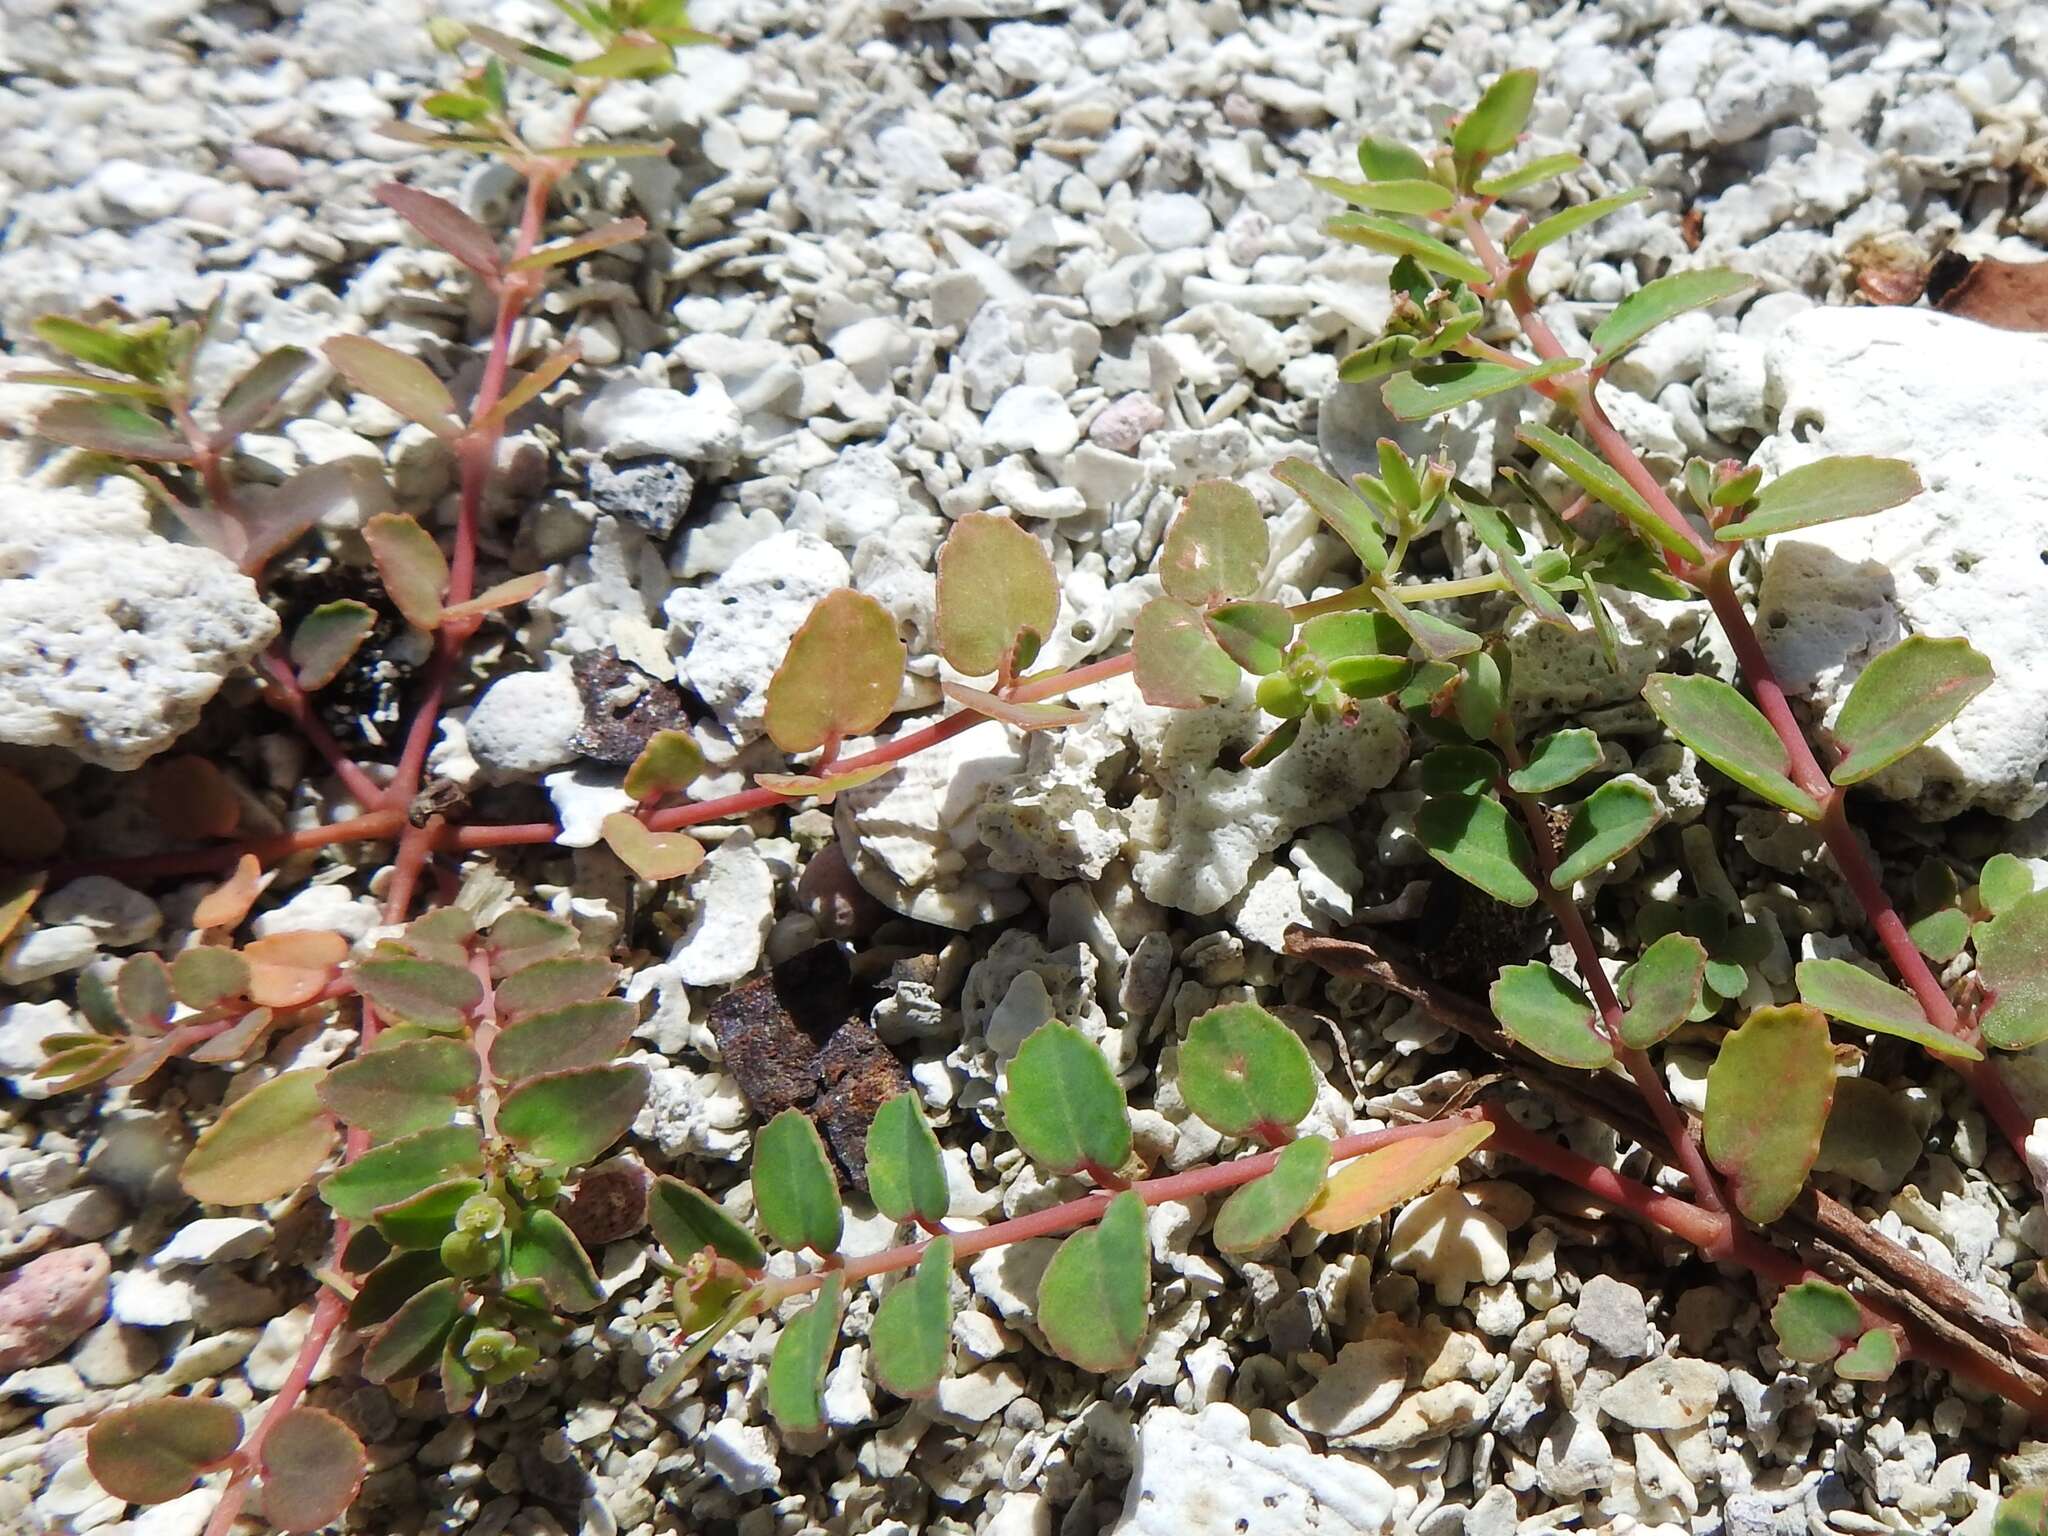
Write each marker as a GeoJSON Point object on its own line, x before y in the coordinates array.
{"type": "Point", "coordinates": [1203, 1474]}
{"type": "Point", "coordinates": [526, 723]}
{"type": "Point", "coordinates": [632, 418]}
{"type": "Point", "coordinates": [1198, 827]}
{"type": "Point", "coordinates": [112, 639]}
{"type": "Point", "coordinates": [1967, 406]}
{"type": "Point", "coordinates": [1449, 1241]}
{"type": "Point", "coordinates": [911, 835]}
{"type": "Point", "coordinates": [734, 894]}
{"type": "Point", "coordinates": [1359, 1386]}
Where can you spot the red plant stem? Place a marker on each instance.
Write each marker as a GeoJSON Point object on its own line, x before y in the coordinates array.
{"type": "Point", "coordinates": [327, 1315]}
{"type": "Point", "coordinates": [1212, 1178]}
{"type": "Point", "coordinates": [290, 700]}
{"type": "Point", "coordinates": [1571, 922]}
{"type": "Point", "coordinates": [1709, 571]}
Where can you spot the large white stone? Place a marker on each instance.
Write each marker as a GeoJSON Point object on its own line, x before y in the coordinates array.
{"type": "Point", "coordinates": [1967, 406]}
{"type": "Point", "coordinates": [526, 723]}
{"type": "Point", "coordinates": [631, 418]}
{"type": "Point", "coordinates": [1202, 1474]}
{"type": "Point", "coordinates": [111, 638]}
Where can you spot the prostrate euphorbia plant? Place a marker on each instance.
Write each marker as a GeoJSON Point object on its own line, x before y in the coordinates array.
{"type": "Point", "coordinates": [485, 1077]}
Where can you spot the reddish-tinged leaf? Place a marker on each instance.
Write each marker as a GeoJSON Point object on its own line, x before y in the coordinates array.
{"type": "Point", "coordinates": [395, 1090]}
{"type": "Point", "coordinates": [1768, 1094]}
{"type": "Point", "coordinates": [1264, 1210]}
{"type": "Point", "coordinates": [430, 993]}
{"type": "Point", "coordinates": [1244, 1072]}
{"type": "Point", "coordinates": [414, 571]}
{"type": "Point", "coordinates": [253, 399]}
{"type": "Point", "coordinates": [527, 386]}
{"type": "Point", "coordinates": [154, 1451]}
{"type": "Point", "coordinates": [840, 675]}
{"type": "Point", "coordinates": [619, 232]}
{"type": "Point", "coordinates": [445, 225]}
{"type": "Point", "coordinates": [653, 856]}
{"type": "Point", "coordinates": [1216, 546]}
{"type": "Point", "coordinates": [565, 1119]}
{"type": "Point", "coordinates": [555, 982]}
{"type": "Point", "coordinates": [312, 1464]}
{"type": "Point", "coordinates": [110, 426]}
{"type": "Point", "coordinates": [821, 786]}
{"type": "Point", "coordinates": [667, 765]}
{"type": "Point", "coordinates": [1901, 699]}
{"type": "Point", "coordinates": [326, 638]}
{"type": "Point", "coordinates": [1178, 663]}
{"type": "Point", "coordinates": [228, 903]}
{"type": "Point", "coordinates": [2012, 963]}
{"type": "Point", "coordinates": [995, 584]}
{"type": "Point", "coordinates": [912, 1335]}
{"type": "Point", "coordinates": [504, 595]}
{"type": "Point", "coordinates": [208, 975]}
{"type": "Point", "coordinates": [289, 970]}
{"type": "Point", "coordinates": [1374, 1184]}
{"type": "Point", "coordinates": [796, 1371]}
{"type": "Point", "coordinates": [400, 380]}
{"type": "Point", "coordinates": [1046, 716]}
{"type": "Point", "coordinates": [267, 1143]}
{"type": "Point", "coordinates": [579, 1035]}
{"type": "Point", "coordinates": [18, 893]}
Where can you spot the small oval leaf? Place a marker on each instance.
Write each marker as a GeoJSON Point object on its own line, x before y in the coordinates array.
{"type": "Point", "coordinates": [1815, 1321]}
{"type": "Point", "coordinates": [1062, 1103]}
{"type": "Point", "coordinates": [2012, 963]}
{"type": "Point", "coordinates": [1178, 663]}
{"type": "Point", "coordinates": [326, 638]}
{"type": "Point", "coordinates": [1476, 840]}
{"type": "Point", "coordinates": [906, 1175]}
{"type": "Point", "coordinates": [995, 584]}
{"type": "Point", "coordinates": [400, 1169]}
{"type": "Point", "coordinates": [686, 1221]}
{"type": "Point", "coordinates": [803, 1353]}
{"type": "Point", "coordinates": [1557, 760]}
{"type": "Point", "coordinates": [1661, 989]}
{"type": "Point", "coordinates": [1216, 546]}
{"type": "Point", "coordinates": [266, 1144]}
{"type": "Point", "coordinates": [545, 1251]}
{"type": "Point", "coordinates": [796, 1193]}
{"type": "Point", "coordinates": [397, 378]}
{"type": "Point", "coordinates": [580, 1035]}
{"type": "Point", "coordinates": [1902, 698]}
{"type": "Point", "coordinates": [566, 1119]}
{"type": "Point", "coordinates": [1604, 826]}
{"type": "Point", "coordinates": [1846, 991]}
{"type": "Point", "coordinates": [429, 993]}
{"type": "Point", "coordinates": [396, 1090]}
{"type": "Point", "coordinates": [913, 1329]}
{"type": "Point", "coordinates": [1266, 1209]}
{"type": "Point", "coordinates": [1661, 299]}
{"type": "Point", "coordinates": [1728, 731]}
{"type": "Point", "coordinates": [411, 566]}
{"type": "Point", "coordinates": [1095, 1295]}
{"type": "Point", "coordinates": [410, 1342]}
{"type": "Point", "coordinates": [1243, 1072]}
{"type": "Point", "coordinates": [312, 1466]}
{"type": "Point", "coordinates": [1768, 1093]}
{"type": "Point", "coordinates": [1340, 506]}
{"type": "Point", "coordinates": [840, 675]}
{"type": "Point", "coordinates": [1373, 1184]}
{"type": "Point", "coordinates": [668, 764]}
{"type": "Point", "coordinates": [653, 856]}
{"type": "Point", "coordinates": [1547, 1013]}
{"type": "Point", "coordinates": [1824, 492]}
{"type": "Point", "coordinates": [154, 1451]}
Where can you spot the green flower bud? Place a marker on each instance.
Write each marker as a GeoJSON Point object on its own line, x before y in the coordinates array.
{"type": "Point", "coordinates": [466, 1254]}
{"type": "Point", "coordinates": [1281, 695]}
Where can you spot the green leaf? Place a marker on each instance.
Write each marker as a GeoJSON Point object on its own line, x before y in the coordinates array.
{"type": "Point", "coordinates": [1338, 505]}
{"type": "Point", "coordinates": [1873, 1358]}
{"type": "Point", "coordinates": [522, 937]}
{"type": "Point", "coordinates": [1504, 544]}
{"type": "Point", "coordinates": [565, 1119]}
{"type": "Point", "coordinates": [913, 1328]}
{"type": "Point", "coordinates": [428, 1216]}
{"type": "Point", "coordinates": [1940, 936]}
{"type": "Point", "coordinates": [1216, 546]}
{"type": "Point", "coordinates": [313, 1467]}
{"type": "Point", "coordinates": [1476, 840]}
{"type": "Point", "coordinates": [1725, 729]}
{"type": "Point", "coordinates": [1661, 989]}
{"type": "Point", "coordinates": [667, 765]}
{"type": "Point", "coordinates": [1095, 1295]}
{"type": "Point", "coordinates": [1661, 299]}
{"type": "Point", "coordinates": [554, 983]}
{"type": "Point", "coordinates": [1063, 1105]}
{"type": "Point", "coordinates": [1459, 771]}
{"type": "Point", "coordinates": [1433, 388]}
{"type": "Point", "coordinates": [795, 1192]}
{"type": "Point", "coordinates": [604, 238]}
{"type": "Point", "coordinates": [2004, 881]}
{"type": "Point", "coordinates": [1824, 492]}
{"type": "Point", "coordinates": [154, 1451]}
{"type": "Point", "coordinates": [326, 638]}
{"type": "Point", "coordinates": [143, 993]}
{"type": "Point", "coordinates": [1480, 695]}
{"type": "Point", "coordinates": [1390, 237]}
{"type": "Point", "coordinates": [1384, 160]}
{"type": "Point", "coordinates": [1596, 479]}
{"type": "Point", "coordinates": [627, 61]}
{"type": "Point", "coordinates": [400, 1169]}
{"type": "Point", "coordinates": [208, 975]}
{"type": "Point", "coordinates": [1376, 359]}
{"type": "Point", "coordinates": [1438, 639]}
{"type": "Point", "coordinates": [995, 585]}
{"type": "Point", "coordinates": [580, 1035]}
{"type": "Point", "coordinates": [397, 378]}
{"type": "Point", "coordinates": [1557, 760]}
{"type": "Point", "coordinates": [1901, 699]}
{"type": "Point", "coordinates": [1375, 1183]}
{"type": "Point", "coordinates": [1815, 1321]}
{"type": "Point", "coordinates": [1177, 661]}
{"type": "Point", "coordinates": [1604, 826]}
{"type": "Point", "coordinates": [1847, 992]}
{"type": "Point", "coordinates": [906, 1175]}
{"type": "Point", "coordinates": [1253, 634]}
{"type": "Point", "coordinates": [1266, 1209]}
{"type": "Point", "coordinates": [411, 566]}
{"type": "Point", "coordinates": [2012, 964]}
{"type": "Point", "coordinates": [544, 1250]}
{"type": "Point", "coordinates": [1540, 169]}
{"type": "Point", "coordinates": [102, 346]}
{"type": "Point", "coordinates": [1768, 1093]}
{"type": "Point", "coordinates": [266, 1144]}
{"type": "Point", "coordinates": [1243, 1072]}
{"type": "Point", "coordinates": [1551, 1016]}
{"type": "Point", "coordinates": [686, 1221]}
{"type": "Point", "coordinates": [1570, 221]}
{"type": "Point", "coordinates": [399, 1089]}
{"type": "Point", "coordinates": [428, 993]}
{"type": "Point", "coordinates": [410, 1343]}
{"type": "Point", "coordinates": [253, 399]}
{"type": "Point", "coordinates": [1371, 677]}
{"type": "Point", "coordinates": [1496, 122]}
{"type": "Point", "coordinates": [2024, 1513]}
{"type": "Point", "coordinates": [1401, 196]}
{"type": "Point", "coordinates": [803, 1353]}
{"type": "Point", "coordinates": [114, 427]}
{"type": "Point", "coordinates": [840, 675]}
